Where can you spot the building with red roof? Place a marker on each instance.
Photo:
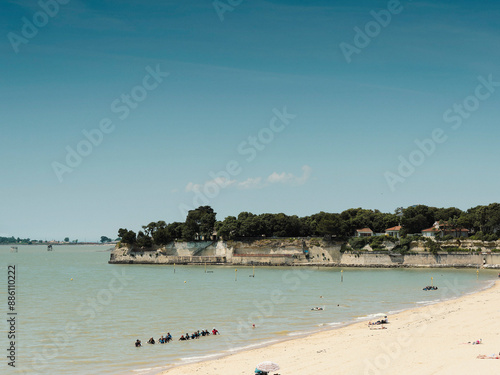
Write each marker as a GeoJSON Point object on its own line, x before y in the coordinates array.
{"type": "Point", "coordinates": [394, 231]}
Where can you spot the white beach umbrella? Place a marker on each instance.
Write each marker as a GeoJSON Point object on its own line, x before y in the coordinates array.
{"type": "Point", "coordinates": [268, 366]}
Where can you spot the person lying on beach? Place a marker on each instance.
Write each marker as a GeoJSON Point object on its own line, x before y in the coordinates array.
{"type": "Point", "coordinates": [138, 343]}
{"type": "Point", "coordinates": [151, 341]}
{"type": "Point", "coordinates": [492, 356]}
{"type": "Point", "coordinates": [383, 321]}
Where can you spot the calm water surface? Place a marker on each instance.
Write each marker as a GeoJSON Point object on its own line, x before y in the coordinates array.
{"type": "Point", "coordinates": [79, 315]}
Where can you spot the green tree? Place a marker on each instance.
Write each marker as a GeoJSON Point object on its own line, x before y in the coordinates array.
{"type": "Point", "coordinates": [144, 241]}
{"type": "Point", "coordinates": [229, 228]}
{"type": "Point", "coordinates": [127, 236]}
{"type": "Point", "coordinates": [174, 230]}
{"type": "Point", "coordinates": [66, 239]}
{"type": "Point", "coordinates": [105, 239]}
{"type": "Point", "coordinates": [161, 237]}
{"type": "Point", "coordinates": [417, 218]}
{"type": "Point", "coordinates": [201, 222]}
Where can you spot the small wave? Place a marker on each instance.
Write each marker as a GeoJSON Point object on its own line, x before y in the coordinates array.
{"type": "Point", "coordinates": [147, 370]}
{"type": "Point", "coordinates": [371, 316]}
{"type": "Point", "coordinates": [427, 302]}
{"type": "Point", "coordinates": [329, 324]}
{"type": "Point", "coordinates": [392, 312]}
{"type": "Point", "coordinates": [281, 332]}
{"type": "Point", "coordinates": [264, 343]}
{"type": "Point", "coordinates": [199, 358]}
{"type": "Point", "coordinates": [297, 334]}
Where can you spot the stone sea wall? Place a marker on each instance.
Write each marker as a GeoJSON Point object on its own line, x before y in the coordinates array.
{"type": "Point", "coordinates": [303, 252]}
{"type": "Point", "coordinates": [420, 260]}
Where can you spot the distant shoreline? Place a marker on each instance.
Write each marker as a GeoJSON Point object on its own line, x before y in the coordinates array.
{"type": "Point", "coordinates": [58, 244]}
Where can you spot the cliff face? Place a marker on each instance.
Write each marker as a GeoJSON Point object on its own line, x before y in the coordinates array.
{"type": "Point", "coordinates": [303, 252]}
{"type": "Point", "coordinates": [252, 251]}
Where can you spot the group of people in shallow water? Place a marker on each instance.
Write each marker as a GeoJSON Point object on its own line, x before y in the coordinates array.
{"type": "Point", "coordinates": [197, 334]}
{"type": "Point", "coordinates": [430, 288]}
{"type": "Point", "coordinates": [161, 340]}
{"type": "Point", "coordinates": [187, 336]}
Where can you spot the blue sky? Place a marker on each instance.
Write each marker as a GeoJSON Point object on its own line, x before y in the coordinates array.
{"type": "Point", "coordinates": [349, 123]}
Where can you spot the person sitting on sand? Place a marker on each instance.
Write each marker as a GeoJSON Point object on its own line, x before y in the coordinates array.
{"type": "Point", "coordinates": [151, 341]}
{"type": "Point", "coordinates": [169, 337]}
{"type": "Point", "coordinates": [187, 336]}
{"type": "Point", "coordinates": [182, 338]}
{"type": "Point", "coordinates": [138, 343]}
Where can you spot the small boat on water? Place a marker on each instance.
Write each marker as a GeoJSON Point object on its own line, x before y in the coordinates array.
{"type": "Point", "coordinates": [13, 249]}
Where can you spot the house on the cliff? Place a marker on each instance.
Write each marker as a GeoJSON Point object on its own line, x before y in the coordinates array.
{"type": "Point", "coordinates": [394, 231]}
{"type": "Point", "coordinates": [443, 228]}
{"type": "Point", "coordinates": [365, 232]}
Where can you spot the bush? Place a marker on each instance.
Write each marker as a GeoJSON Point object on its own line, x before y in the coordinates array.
{"type": "Point", "coordinates": [446, 237]}
{"type": "Point", "coordinates": [376, 241]}
{"type": "Point", "coordinates": [358, 243]}
{"type": "Point", "coordinates": [454, 249]}
{"type": "Point", "coordinates": [432, 246]}
{"type": "Point", "coordinates": [404, 245]}
{"type": "Point", "coordinates": [480, 236]}
{"type": "Point", "coordinates": [491, 237]}
{"type": "Point", "coordinates": [391, 239]}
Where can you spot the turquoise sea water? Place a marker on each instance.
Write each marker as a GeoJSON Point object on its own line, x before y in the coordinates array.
{"type": "Point", "coordinates": [79, 315]}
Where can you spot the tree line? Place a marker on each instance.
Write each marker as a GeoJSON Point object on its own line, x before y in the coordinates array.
{"type": "Point", "coordinates": [14, 240]}
{"type": "Point", "coordinates": [201, 223]}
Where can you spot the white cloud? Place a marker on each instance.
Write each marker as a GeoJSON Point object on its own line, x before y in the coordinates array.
{"type": "Point", "coordinates": [251, 183]}
{"type": "Point", "coordinates": [254, 182]}
{"type": "Point", "coordinates": [290, 178]}
{"type": "Point", "coordinates": [192, 187]}
{"type": "Point", "coordinates": [221, 182]}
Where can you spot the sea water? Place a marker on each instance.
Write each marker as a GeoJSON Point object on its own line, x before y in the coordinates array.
{"type": "Point", "coordinates": [77, 314]}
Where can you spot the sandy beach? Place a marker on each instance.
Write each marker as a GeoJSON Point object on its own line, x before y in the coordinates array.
{"type": "Point", "coordinates": [432, 339]}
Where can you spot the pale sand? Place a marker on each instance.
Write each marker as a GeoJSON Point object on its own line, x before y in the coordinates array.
{"type": "Point", "coordinates": [426, 340]}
